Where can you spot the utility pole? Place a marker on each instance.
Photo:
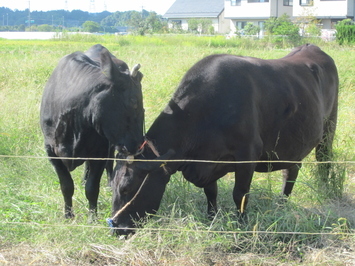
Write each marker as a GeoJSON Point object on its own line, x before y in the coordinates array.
{"type": "Point", "coordinates": [142, 9]}
{"type": "Point", "coordinates": [92, 6]}
{"type": "Point", "coordinates": [29, 15]}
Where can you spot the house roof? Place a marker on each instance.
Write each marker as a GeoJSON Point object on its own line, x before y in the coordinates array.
{"type": "Point", "coordinates": [195, 9]}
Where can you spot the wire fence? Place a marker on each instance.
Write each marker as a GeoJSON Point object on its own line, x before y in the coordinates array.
{"type": "Point", "coordinates": [349, 232]}
{"type": "Point", "coordinates": [175, 160]}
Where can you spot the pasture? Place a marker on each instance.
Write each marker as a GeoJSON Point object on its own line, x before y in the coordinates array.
{"type": "Point", "coordinates": [314, 227]}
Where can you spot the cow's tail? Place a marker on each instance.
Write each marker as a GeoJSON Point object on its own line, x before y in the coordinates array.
{"type": "Point", "coordinates": [328, 181]}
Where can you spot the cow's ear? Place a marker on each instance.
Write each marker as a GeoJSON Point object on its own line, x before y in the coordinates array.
{"type": "Point", "coordinates": [139, 76]}
{"type": "Point", "coordinates": [108, 67]}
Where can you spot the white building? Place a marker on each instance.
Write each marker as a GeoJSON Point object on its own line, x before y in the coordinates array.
{"type": "Point", "coordinates": [182, 11]}
{"type": "Point", "coordinates": [328, 11]}
{"type": "Point", "coordinates": [240, 12]}
{"type": "Point", "coordinates": [233, 15]}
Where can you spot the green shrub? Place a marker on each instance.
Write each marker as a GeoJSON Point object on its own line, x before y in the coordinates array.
{"type": "Point", "coordinates": [200, 25]}
{"type": "Point", "coordinates": [91, 26]}
{"type": "Point", "coordinates": [345, 32]}
{"type": "Point", "coordinates": [251, 29]}
{"type": "Point", "coordinates": [284, 29]}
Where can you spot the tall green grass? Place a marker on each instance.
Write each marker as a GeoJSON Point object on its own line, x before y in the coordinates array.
{"type": "Point", "coordinates": [32, 227]}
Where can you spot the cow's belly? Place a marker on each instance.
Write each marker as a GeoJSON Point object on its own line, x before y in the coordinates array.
{"type": "Point", "coordinates": [83, 145]}
{"type": "Point", "coordinates": [288, 151]}
{"type": "Point", "coordinates": [292, 143]}
{"type": "Point", "coordinates": [202, 174]}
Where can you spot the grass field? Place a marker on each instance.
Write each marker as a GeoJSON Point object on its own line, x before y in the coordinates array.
{"type": "Point", "coordinates": [310, 229]}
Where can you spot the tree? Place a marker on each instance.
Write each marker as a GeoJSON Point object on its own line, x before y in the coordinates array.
{"type": "Point", "coordinates": [45, 28]}
{"type": "Point", "coordinates": [345, 31]}
{"type": "Point", "coordinates": [138, 23]}
{"type": "Point", "coordinates": [251, 29]}
{"type": "Point", "coordinates": [283, 29]}
{"type": "Point", "coordinates": [117, 19]}
{"type": "Point", "coordinates": [154, 22]}
{"type": "Point", "coordinates": [21, 27]}
{"type": "Point", "coordinates": [145, 22]}
{"type": "Point", "coordinates": [91, 26]}
{"type": "Point", "coordinates": [308, 23]}
{"type": "Point", "coordinates": [201, 26]}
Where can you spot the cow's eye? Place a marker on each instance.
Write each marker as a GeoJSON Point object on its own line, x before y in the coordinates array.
{"type": "Point", "coordinates": [126, 188]}
{"type": "Point", "coordinates": [123, 191]}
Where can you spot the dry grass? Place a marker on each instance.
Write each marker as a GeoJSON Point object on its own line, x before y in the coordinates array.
{"type": "Point", "coordinates": [24, 254]}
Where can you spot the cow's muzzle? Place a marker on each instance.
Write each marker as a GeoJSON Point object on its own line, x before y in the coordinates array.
{"type": "Point", "coordinates": [115, 230]}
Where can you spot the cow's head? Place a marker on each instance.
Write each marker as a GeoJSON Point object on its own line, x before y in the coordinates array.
{"type": "Point", "coordinates": [138, 188]}
{"type": "Point", "coordinates": [125, 114]}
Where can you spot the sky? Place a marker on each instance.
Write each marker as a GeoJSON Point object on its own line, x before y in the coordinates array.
{"type": "Point", "coordinates": [159, 6]}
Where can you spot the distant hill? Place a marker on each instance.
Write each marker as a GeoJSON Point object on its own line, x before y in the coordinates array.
{"type": "Point", "coordinates": [18, 20]}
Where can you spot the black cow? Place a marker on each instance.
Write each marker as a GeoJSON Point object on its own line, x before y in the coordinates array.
{"type": "Point", "coordinates": [91, 104]}
{"type": "Point", "coordinates": [232, 108]}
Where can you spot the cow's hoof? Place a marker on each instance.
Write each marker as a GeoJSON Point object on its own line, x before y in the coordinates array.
{"type": "Point", "coordinates": [211, 215]}
{"type": "Point", "coordinates": [242, 217]}
{"type": "Point", "coordinates": [69, 215]}
{"type": "Point", "coordinates": [92, 219]}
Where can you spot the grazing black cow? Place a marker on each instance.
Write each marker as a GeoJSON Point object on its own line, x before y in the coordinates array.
{"type": "Point", "coordinates": [232, 108]}
{"type": "Point", "coordinates": [91, 104]}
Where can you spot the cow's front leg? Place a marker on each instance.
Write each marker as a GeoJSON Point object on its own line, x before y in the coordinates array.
{"type": "Point", "coordinates": [92, 186]}
{"type": "Point", "coordinates": [211, 191]}
{"type": "Point", "coordinates": [243, 177]}
{"type": "Point", "coordinates": [66, 186]}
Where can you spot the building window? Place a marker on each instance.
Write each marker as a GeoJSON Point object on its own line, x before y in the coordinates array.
{"type": "Point", "coordinates": [241, 24]}
{"type": "Point", "coordinates": [288, 2]}
{"type": "Point", "coordinates": [306, 2]}
{"type": "Point", "coordinates": [261, 25]}
{"type": "Point", "coordinates": [236, 2]}
{"type": "Point", "coordinates": [258, 1]}
{"type": "Point", "coordinates": [176, 24]}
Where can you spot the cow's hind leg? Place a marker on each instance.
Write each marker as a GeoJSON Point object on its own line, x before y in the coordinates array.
{"type": "Point", "coordinates": [289, 178]}
{"type": "Point", "coordinates": [92, 185]}
{"type": "Point", "coordinates": [211, 193]}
